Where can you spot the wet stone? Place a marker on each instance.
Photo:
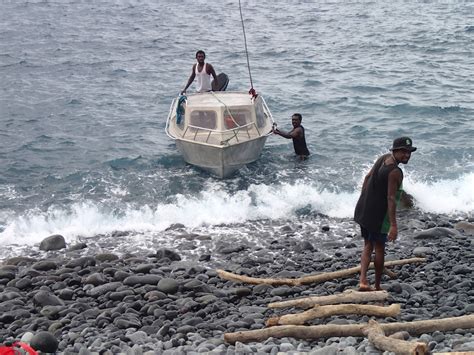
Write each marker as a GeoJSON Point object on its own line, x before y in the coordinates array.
{"type": "Point", "coordinates": [23, 283]}
{"type": "Point", "coordinates": [106, 257]}
{"type": "Point", "coordinates": [44, 342]}
{"type": "Point", "coordinates": [95, 279]}
{"type": "Point", "coordinates": [44, 265]}
{"type": "Point", "coordinates": [83, 262]}
{"type": "Point", "coordinates": [142, 280]}
{"type": "Point", "coordinates": [102, 289]}
{"type": "Point", "coordinates": [168, 285]}
{"type": "Point", "coordinates": [45, 298]}
{"type": "Point", "coordinates": [53, 242]}
{"type": "Point", "coordinates": [168, 254]}
{"type": "Point", "coordinates": [125, 323]}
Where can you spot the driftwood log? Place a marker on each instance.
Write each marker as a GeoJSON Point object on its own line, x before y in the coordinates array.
{"type": "Point", "coordinates": [336, 330]}
{"type": "Point", "coordinates": [310, 279]}
{"type": "Point", "coordinates": [376, 336]}
{"type": "Point", "coordinates": [331, 310]}
{"type": "Point", "coordinates": [348, 296]}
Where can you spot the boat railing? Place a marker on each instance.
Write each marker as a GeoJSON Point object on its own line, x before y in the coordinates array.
{"type": "Point", "coordinates": [234, 132]}
{"type": "Point", "coordinates": [269, 113]}
{"type": "Point", "coordinates": [213, 132]}
{"type": "Point", "coordinates": [168, 120]}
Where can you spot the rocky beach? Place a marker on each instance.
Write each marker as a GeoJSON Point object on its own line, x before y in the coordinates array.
{"type": "Point", "coordinates": [108, 295]}
{"type": "Point", "coordinates": [112, 244]}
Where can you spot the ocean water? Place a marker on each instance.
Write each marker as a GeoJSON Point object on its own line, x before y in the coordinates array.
{"type": "Point", "coordinates": [86, 86]}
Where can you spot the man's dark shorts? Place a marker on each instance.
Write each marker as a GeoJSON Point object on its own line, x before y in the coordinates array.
{"type": "Point", "coordinates": [373, 237]}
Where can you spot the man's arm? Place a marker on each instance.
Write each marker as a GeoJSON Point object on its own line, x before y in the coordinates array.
{"type": "Point", "coordinates": [394, 182]}
{"type": "Point", "coordinates": [190, 80]}
{"type": "Point", "coordinates": [212, 72]}
{"type": "Point", "coordinates": [294, 133]}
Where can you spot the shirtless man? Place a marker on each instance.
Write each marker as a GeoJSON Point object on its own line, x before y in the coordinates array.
{"type": "Point", "coordinates": [202, 73]}
{"type": "Point", "coordinates": [375, 211]}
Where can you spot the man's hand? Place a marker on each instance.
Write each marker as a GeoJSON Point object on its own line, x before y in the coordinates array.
{"type": "Point", "coordinates": [392, 233]}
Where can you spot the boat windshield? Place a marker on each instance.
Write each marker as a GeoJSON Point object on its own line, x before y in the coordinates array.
{"type": "Point", "coordinates": [204, 119]}
{"type": "Point", "coordinates": [237, 117]}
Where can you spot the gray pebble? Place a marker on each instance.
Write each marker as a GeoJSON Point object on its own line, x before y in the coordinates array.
{"type": "Point", "coordinates": [168, 285]}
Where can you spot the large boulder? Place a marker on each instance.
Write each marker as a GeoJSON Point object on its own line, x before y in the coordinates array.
{"type": "Point", "coordinates": [53, 242]}
{"type": "Point", "coordinates": [44, 342]}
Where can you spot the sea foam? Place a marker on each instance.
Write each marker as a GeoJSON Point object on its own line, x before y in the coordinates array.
{"type": "Point", "coordinates": [216, 206]}
{"type": "Point", "coordinates": [444, 196]}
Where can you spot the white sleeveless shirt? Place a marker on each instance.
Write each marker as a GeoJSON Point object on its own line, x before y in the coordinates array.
{"type": "Point", "coordinates": [203, 80]}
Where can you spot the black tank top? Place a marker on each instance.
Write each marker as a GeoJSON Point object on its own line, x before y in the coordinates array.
{"type": "Point", "coordinates": [371, 209]}
{"type": "Point", "coordinates": [300, 145]}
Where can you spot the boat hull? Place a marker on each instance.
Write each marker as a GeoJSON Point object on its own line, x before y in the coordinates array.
{"type": "Point", "coordinates": [221, 161]}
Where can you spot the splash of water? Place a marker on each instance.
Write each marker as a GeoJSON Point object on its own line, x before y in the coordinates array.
{"type": "Point", "coordinates": [217, 206]}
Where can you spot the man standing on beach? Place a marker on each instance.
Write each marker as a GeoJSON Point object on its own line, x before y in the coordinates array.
{"type": "Point", "coordinates": [297, 134]}
{"type": "Point", "coordinates": [202, 73]}
{"type": "Point", "coordinates": [375, 211]}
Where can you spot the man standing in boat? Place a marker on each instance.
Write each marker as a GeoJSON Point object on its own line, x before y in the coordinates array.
{"type": "Point", "coordinates": [297, 134]}
{"type": "Point", "coordinates": [202, 73]}
{"type": "Point", "coordinates": [375, 211]}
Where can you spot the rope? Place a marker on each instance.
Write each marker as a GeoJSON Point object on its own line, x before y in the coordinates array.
{"type": "Point", "coordinates": [226, 141]}
{"type": "Point", "coordinates": [226, 108]}
{"type": "Point", "coordinates": [246, 50]}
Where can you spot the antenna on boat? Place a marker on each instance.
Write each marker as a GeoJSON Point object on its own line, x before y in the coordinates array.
{"type": "Point", "coordinates": [252, 90]}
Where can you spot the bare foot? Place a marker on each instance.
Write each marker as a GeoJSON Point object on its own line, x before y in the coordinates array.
{"type": "Point", "coordinates": [365, 288]}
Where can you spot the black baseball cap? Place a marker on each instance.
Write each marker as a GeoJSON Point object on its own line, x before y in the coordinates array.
{"type": "Point", "coordinates": [403, 143]}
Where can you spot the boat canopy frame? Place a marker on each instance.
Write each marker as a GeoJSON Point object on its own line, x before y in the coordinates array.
{"type": "Point", "coordinates": [234, 131]}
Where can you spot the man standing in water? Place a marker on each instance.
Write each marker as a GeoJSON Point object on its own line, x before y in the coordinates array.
{"type": "Point", "coordinates": [297, 134]}
{"type": "Point", "coordinates": [375, 211]}
{"type": "Point", "coordinates": [202, 73]}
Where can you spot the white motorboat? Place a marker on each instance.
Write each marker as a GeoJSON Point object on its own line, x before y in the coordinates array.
{"type": "Point", "coordinates": [220, 131]}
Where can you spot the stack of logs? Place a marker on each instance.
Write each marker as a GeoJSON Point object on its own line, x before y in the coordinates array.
{"type": "Point", "coordinates": [292, 325]}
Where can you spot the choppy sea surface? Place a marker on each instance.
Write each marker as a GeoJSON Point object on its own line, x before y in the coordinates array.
{"type": "Point", "coordinates": [86, 86]}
